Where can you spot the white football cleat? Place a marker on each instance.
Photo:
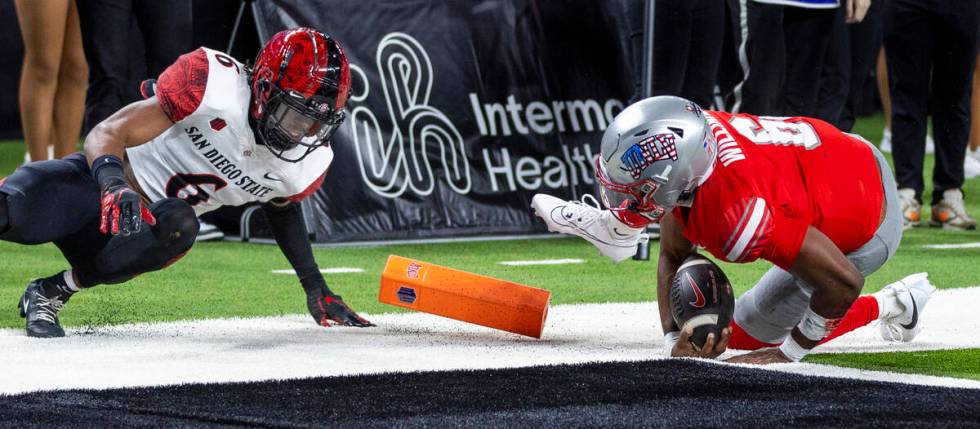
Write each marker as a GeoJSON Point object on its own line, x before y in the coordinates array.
{"type": "Point", "coordinates": [906, 299]}
{"type": "Point", "coordinates": [587, 220]}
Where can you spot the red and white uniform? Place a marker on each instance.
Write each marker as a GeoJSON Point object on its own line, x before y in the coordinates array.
{"type": "Point", "coordinates": [775, 177]}
{"type": "Point", "coordinates": [209, 156]}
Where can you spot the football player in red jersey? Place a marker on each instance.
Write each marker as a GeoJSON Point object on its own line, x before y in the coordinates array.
{"type": "Point", "coordinates": [211, 132]}
{"type": "Point", "coordinates": [819, 204]}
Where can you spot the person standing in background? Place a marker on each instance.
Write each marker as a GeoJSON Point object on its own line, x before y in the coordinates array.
{"type": "Point", "coordinates": [53, 77]}
{"type": "Point", "coordinates": [688, 35]}
{"type": "Point", "coordinates": [849, 60]}
{"type": "Point", "coordinates": [931, 50]}
{"type": "Point", "coordinates": [881, 74]}
{"type": "Point", "coordinates": [781, 46]}
{"type": "Point", "coordinates": [167, 32]}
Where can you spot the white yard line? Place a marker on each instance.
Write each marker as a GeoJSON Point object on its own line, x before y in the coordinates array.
{"type": "Point", "coordinates": [952, 246]}
{"type": "Point", "coordinates": [337, 270]}
{"type": "Point", "coordinates": [226, 350]}
{"type": "Point", "coordinates": [543, 262]}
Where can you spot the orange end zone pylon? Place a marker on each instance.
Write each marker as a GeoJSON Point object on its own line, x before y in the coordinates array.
{"type": "Point", "coordinates": [464, 296]}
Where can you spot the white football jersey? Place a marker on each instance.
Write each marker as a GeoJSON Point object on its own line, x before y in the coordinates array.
{"type": "Point", "coordinates": [209, 157]}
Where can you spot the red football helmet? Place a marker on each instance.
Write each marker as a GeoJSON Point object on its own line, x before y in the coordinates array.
{"type": "Point", "coordinates": [300, 84]}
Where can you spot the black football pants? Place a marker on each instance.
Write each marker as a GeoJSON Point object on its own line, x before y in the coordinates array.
{"type": "Point", "coordinates": [688, 37]}
{"type": "Point", "coordinates": [931, 49]}
{"type": "Point", "coordinates": [851, 54]}
{"type": "Point", "coordinates": [781, 50]}
{"type": "Point", "coordinates": [57, 202]}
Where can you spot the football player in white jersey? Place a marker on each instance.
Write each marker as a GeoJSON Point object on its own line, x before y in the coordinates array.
{"type": "Point", "coordinates": [211, 132]}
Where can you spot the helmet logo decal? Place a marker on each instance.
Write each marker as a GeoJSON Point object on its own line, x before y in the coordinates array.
{"type": "Point", "coordinates": [647, 151]}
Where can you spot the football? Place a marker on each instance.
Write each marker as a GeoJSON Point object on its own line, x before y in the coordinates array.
{"type": "Point", "coordinates": [702, 297]}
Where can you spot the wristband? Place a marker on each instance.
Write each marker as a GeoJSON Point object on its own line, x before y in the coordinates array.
{"type": "Point", "coordinates": [670, 340]}
{"type": "Point", "coordinates": [106, 168]}
{"type": "Point", "coordinates": [793, 350]}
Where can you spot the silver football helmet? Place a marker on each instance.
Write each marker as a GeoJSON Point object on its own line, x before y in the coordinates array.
{"type": "Point", "coordinates": [654, 154]}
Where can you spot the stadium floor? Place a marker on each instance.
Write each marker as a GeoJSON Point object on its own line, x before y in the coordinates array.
{"type": "Point", "coordinates": [663, 393]}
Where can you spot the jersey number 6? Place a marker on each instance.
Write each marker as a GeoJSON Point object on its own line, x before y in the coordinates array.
{"type": "Point", "coordinates": [189, 187]}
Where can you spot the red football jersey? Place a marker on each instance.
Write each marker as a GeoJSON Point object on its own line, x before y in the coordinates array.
{"type": "Point", "coordinates": [773, 178]}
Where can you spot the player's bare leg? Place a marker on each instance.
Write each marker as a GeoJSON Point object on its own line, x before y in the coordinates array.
{"type": "Point", "coordinates": [586, 219]}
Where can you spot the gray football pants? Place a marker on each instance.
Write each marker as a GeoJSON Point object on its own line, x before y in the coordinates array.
{"type": "Point", "coordinates": [770, 310]}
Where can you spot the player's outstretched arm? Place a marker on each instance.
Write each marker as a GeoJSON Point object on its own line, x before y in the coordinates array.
{"type": "Point", "coordinates": [288, 228]}
{"type": "Point", "coordinates": [674, 248]}
{"type": "Point", "coordinates": [123, 212]}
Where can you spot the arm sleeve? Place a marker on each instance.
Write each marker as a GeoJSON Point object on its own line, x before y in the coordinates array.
{"type": "Point", "coordinates": [755, 231]}
{"type": "Point", "coordinates": [180, 88]}
{"type": "Point", "coordinates": [289, 230]}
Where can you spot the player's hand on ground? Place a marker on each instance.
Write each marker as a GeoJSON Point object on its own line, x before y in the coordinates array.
{"type": "Point", "coordinates": [327, 307]}
{"type": "Point", "coordinates": [123, 211]}
{"type": "Point", "coordinates": [713, 347]}
{"type": "Point", "coordinates": [761, 357]}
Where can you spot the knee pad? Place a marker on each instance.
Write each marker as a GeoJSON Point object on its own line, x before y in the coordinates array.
{"type": "Point", "coordinates": [177, 223]}
{"type": "Point", "coordinates": [152, 248]}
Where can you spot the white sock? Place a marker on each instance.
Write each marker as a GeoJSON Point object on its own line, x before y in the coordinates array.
{"type": "Point", "coordinates": [70, 281]}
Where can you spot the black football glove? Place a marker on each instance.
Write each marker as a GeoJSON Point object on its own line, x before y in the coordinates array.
{"type": "Point", "coordinates": [325, 306]}
{"type": "Point", "coordinates": [123, 211]}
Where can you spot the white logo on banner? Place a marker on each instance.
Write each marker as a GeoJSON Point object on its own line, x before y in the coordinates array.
{"type": "Point", "coordinates": [390, 167]}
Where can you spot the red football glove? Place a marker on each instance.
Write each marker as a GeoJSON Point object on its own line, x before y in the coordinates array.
{"type": "Point", "coordinates": [326, 307]}
{"type": "Point", "coordinates": [123, 211]}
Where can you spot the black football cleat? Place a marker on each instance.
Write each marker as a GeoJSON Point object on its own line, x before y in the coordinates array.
{"type": "Point", "coordinates": [40, 307]}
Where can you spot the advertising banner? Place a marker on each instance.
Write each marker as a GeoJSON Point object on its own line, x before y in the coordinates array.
{"type": "Point", "coordinates": [461, 111]}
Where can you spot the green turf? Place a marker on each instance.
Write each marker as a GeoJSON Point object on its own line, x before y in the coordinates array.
{"type": "Point", "coordinates": [962, 363]}
{"type": "Point", "coordinates": [233, 279]}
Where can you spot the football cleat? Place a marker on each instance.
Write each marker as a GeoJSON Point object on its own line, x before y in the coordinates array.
{"type": "Point", "coordinates": [585, 219]}
{"type": "Point", "coordinates": [949, 213]}
{"type": "Point", "coordinates": [40, 306]}
{"type": "Point", "coordinates": [905, 301]}
{"type": "Point", "coordinates": [911, 209]}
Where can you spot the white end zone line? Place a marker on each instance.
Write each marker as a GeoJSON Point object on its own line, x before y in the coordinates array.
{"type": "Point", "coordinates": [974, 245]}
{"type": "Point", "coordinates": [542, 262]}
{"type": "Point", "coordinates": [230, 350]}
{"type": "Point", "coordinates": [337, 270]}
